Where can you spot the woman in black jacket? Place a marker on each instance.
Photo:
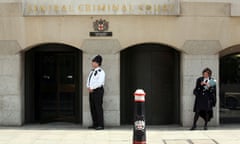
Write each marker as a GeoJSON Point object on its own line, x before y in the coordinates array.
{"type": "Point", "coordinates": [205, 92]}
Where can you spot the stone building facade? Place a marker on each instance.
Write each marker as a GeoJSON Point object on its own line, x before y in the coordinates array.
{"type": "Point", "coordinates": [202, 33]}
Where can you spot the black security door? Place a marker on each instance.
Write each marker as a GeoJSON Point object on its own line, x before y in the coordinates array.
{"type": "Point", "coordinates": [53, 76]}
{"type": "Point", "coordinates": [154, 68]}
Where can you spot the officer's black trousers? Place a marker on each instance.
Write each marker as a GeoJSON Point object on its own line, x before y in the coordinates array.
{"type": "Point", "coordinates": [96, 101]}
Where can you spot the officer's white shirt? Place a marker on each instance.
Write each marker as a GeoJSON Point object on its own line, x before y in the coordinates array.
{"type": "Point", "coordinates": [96, 78]}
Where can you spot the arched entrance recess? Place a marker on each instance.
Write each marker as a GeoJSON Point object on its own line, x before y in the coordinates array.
{"type": "Point", "coordinates": [229, 85]}
{"type": "Point", "coordinates": [53, 77]}
{"type": "Point", "coordinates": [154, 68]}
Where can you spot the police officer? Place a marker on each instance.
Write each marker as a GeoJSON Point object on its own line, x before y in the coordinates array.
{"type": "Point", "coordinates": [95, 83]}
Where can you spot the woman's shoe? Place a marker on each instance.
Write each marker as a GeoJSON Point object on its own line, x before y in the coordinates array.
{"type": "Point", "coordinates": [99, 128]}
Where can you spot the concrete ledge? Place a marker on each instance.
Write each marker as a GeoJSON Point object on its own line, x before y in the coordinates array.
{"type": "Point", "coordinates": [205, 9]}
{"type": "Point", "coordinates": [202, 47]}
{"type": "Point", "coordinates": [9, 47]}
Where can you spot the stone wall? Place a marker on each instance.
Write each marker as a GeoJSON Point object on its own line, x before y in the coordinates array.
{"type": "Point", "coordinates": [192, 63]}
{"type": "Point", "coordinates": [201, 31]}
{"type": "Point", "coordinates": [109, 49]}
{"type": "Point", "coordinates": [11, 84]}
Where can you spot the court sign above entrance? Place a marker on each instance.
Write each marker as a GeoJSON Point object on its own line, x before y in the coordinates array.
{"type": "Point", "coordinates": [100, 7]}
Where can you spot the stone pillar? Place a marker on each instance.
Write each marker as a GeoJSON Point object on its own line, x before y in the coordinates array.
{"type": "Point", "coordinates": [11, 84]}
{"type": "Point", "coordinates": [197, 55]}
{"type": "Point", "coordinates": [109, 49]}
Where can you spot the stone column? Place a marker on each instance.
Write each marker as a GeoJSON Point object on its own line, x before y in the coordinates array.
{"type": "Point", "coordinates": [109, 49]}
{"type": "Point", "coordinates": [197, 55]}
{"type": "Point", "coordinates": [11, 84]}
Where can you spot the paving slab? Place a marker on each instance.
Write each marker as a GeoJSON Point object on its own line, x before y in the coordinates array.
{"type": "Point", "coordinates": [206, 141]}
{"type": "Point", "coordinates": [75, 134]}
{"type": "Point", "coordinates": [176, 142]}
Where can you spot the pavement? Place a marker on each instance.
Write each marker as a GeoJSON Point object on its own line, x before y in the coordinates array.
{"type": "Point", "coordinates": [65, 133]}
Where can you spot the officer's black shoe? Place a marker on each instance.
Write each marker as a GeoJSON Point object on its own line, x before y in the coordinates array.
{"type": "Point", "coordinates": [99, 128]}
{"type": "Point", "coordinates": [205, 128]}
{"type": "Point", "coordinates": [193, 128]}
{"type": "Point", "coordinates": [91, 127]}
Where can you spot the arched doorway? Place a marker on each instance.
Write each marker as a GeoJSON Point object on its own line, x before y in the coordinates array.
{"type": "Point", "coordinates": [53, 77]}
{"type": "Point", "coordinates": [154, 68]}
{"type": "Point", "coordinates": [230, 86]}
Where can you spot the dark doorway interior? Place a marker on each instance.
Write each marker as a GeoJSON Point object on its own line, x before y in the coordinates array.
{"type": "Point", "coordinates": [52, 84]}
{"type": "Point", "coordinates": [154, 68]}
{"type": "Point", "coordinates": [230, 88]}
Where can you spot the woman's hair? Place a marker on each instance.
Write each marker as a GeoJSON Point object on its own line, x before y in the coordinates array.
{"type": "Point", "coordinates": [208, 70]}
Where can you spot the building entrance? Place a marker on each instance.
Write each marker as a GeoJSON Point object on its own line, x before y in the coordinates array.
{"type": "Point", "coordinates": [154, 68]}
{"type": "Point", "coordinates": [229, 88]}
{"type": "Point", "coordinates": [53, 89]}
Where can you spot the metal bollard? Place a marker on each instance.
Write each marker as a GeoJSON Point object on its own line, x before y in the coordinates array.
{"type": "Point", "coordinates": [139, 129]}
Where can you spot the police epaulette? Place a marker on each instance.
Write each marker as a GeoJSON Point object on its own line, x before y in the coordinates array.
{"type": "Point", "coordinates": [95, 73]}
